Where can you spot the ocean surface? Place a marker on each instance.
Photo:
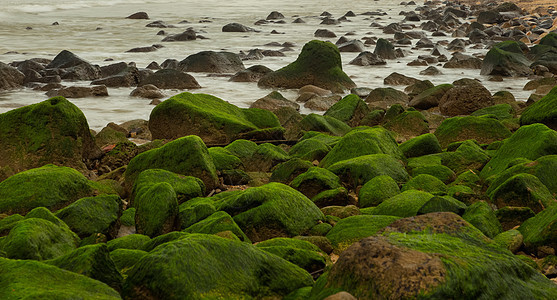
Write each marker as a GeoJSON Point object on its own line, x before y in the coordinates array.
{"type": "Point", "coordinates": [97, 31]}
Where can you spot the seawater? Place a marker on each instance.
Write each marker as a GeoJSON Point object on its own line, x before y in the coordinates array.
{"type": "Point", "coordinates": [97, 31]}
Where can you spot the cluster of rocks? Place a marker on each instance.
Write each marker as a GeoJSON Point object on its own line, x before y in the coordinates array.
{"type": "Point", "coordinates": [440, 191]}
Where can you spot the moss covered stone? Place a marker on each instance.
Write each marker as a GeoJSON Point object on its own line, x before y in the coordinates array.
{"type": "Point", "coordinates": [468, 156]}
{"type": "Point", "coordinates": [301, 253]}
{"type": "Point", "coordinates": [530, 141]}
{"type": "Point", "coordinates": [265, 157]}
{"type": "Point", "coordinates": [314, 181]}
{"type": "Point", "coordinates": [92, 261]}
{"type": "Point", "coordinates": [318, 64]}
{"type": "Point", "coordinates": [185, 156]}
{"type": "Point", "coordinates": [52, 131]}
{"type": "Point", "coordinates": [443, 173]}
{"type": "Point", "coordinates": [540, 230]}
{"type": "Point", "coordinates": [93, 215]}
{"type": "Point", "coordinates": [212, 119]}
{"type": "Point", "coordinates": [483, 217]}
{"type": "Point", "coordinates": [243, 149]}
{"type": "Point", "coordinates": [405, 204]}
{"type": "Point", "coordinates": [218, 222]}
{"type": "Point", "coordinates": [426, 183]}
{"type": "Point", "coordinates": [352, 229]}
{"type": "Point", "coordinates": [511, 240]}
{"type": "Point", "coordinates": [512, 216]}
{"type": "Point", "coordinates": [206, 266]}
{"type": "Point", "coordinates": [499, 111]}
{"type": "Point", "coordinates": [128, 217]}
{"type": "Point", "coordinates": [351, 109]}
{"type": "Point", "coordinates": [481, 129]}
{"type": "Point", "coordinates": [407, 125]}
{"type": "Point", "coordinates": [377, 190]}
{"type": "Point", "coordinates": [132, 241]}
{"type": "Point", "coordinates": [310, 149]}
{"type": "Point", "coordinates": [224, 159]}
{"type": "Point", "coordinates": [357, 171]}
{"type": "Point", "coordinates": [7, 222]}
{"type": "Point", "coordinates": [326, 124]}
{"type": "Point", "coordinates": [340, 212]}
{"type": "Point", "coordinates": [363, 141]}
{"type": "Point", "coordinates": [35, 280]}
{"type": "Point", "coordinates": [505, 60]}
{"type": "Point", "coordinates": [421, 145]}
{"type": "Point", "coordinates": [185, 187]}
{"type": "Point", "coordinates": [38, 239]}
{"type": "Point", "coordinates": [523, 190]}
{"type": "Point", "coordinates": [542, 111]}
{"type": "Point", "coordinates": [338, 196]}
{"type": "Point", "coordinates": [442, 204]}
{"type": "Point", "coordinates": [156, 210]}
{"type": "Point", "coordinates": [430, 97]}
{"type": "Point", "coordinates": [195, 210]}
{"type": "Point", "coordinates": [125, 259]}
{"type": "Point", "coordinates": [271, 210]}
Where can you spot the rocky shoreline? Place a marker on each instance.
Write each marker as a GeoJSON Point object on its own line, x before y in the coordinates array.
{"type": "Point", "coordinates": [437, 191]}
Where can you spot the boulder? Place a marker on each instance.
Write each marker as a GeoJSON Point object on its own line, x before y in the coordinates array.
{"type": "Point", "coordinates": [351, 46]}
{"type": "Point", "coordinates": [352, 229]}
{"type": "Point", "coordinates": [73, 67]}
{"type": "Point", "coordinates": [463, 61]}
{"type": "Point", "coordinates": [188, 35]}
{"type": "Point", "coordinates": [377, 190]}
{"type": "Point", "coordinates": [170, 79]}
{"type": "Point", "coordinates": [465, 99]}
{"type": "Point", "coordinates": [421, 145]}
{"type": "Point", "coordinates": [212, 62]}
{"type": "Point", "coordinates": [504, 61]}
{"type": "Point", "coordinates": [386, 97]}
{"type": "Point", "coordinates": [236, 27]}
{"type": "Point", "coordinates": [273, 102]}
{"type": "Point", "coordinates": [156, 209]}
{"type": "Point", "coordinates": [482, 216]}
{"type": "Point", "coordinates": [251, 74]}
{"type": "Point", "coordinates": [324, 33]}
{"type": "Point", "coordinates": [350, 109]}
{"type": "Point", "coordinates": [79, 92]}
{"type": "Point", "coordinates": [315, 122]}
{"type": "Point", "coordinates": [314, 181]}
{"type": "Point", "coordinates": [318, 64]}
{"type": "Point", "coordinates": [357, 171]}
{"type": "Point", "coordinates": [148, 91]}
{"type": "Point", "coordinates": [542, 111]}
{"type": "Point", "coordinates": [523, 190]}
{"type": "Point", "coordinates": [384, 49]}
{"type": "Point", "coordinates": [367, 58]}
{"type": "Point", "coordinates": [299, 252]}
{"type": "Point", "coordinates": [399, 79]}
{"type": "Point", "coordinates": [484, 130]}
{"type": "Point", "coordinates": [407, 125]}
{"type": "Point", "coordinates": [139, 16]}
{"type": "Point", "coordinates": [10, 77]}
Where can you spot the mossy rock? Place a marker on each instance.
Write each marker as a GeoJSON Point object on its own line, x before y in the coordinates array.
{"type": "Point", "coordinates": [502, 59]}
{"type": "Point", "coordinates": [442, 204]}
{"type": "Point", "coordinates": [377, 190]}
{"type": "Point", "coordinates": [49, 186]}
{"type": "Point", "coordinates": [162, 239]}
{"type": "Point", "coordinates": [320, 229]}
{"type": "Point", "coordinates": [351, 109]}
{"type": "Point", "coordinates": [540, 230]}
{"type": "Point", "coordinates": [511, 240]}
{"type": "Point", "coordinates": [38, 239]}
{"type": "Point", "coordinates": [483, 217]}
{"type": "Point", "coordinates": [36, 280]}
{"type": "Point", "coordinates": [363, 141]}
{"type": "Point", "coordinates": [542, 111]}
{"type": "Point", "coordinates": [92, 261]}
{"type": "Point", "coordinates": [218, 222]}
{"type": "Point", "coordinates": [468, 156]}
{"type": "Point", "coordinates": [319, 64]}
{"type": "Point", "coordinates": [125, 259]}
{"type": "Point", "coordinates": [132, 241]}
{"type": "Point", "coordinates": [265, 157]}
{"type": "Point", "coordinates": [499, 111]}
{"type": "Point", "coordinates": [8, 222]}
{"type": "Point", "coordinates": [224, 159]}
{"type": "Point", "coordinates": [271, 210]}
{"type": "Point", "coordinates": [443, 173]}
{"type": "Point", "coordinates": [43, 213]}
{"type": "Point", "coordinates": [91, 215]}
{"type": "Point", "coordinates": [463, 193]}
{"type": "Point", "coordinates": [214, 120]}
{"type": "Point", "coordinates": [357, 171]}
{"type": "Point", "coordinates": [530, 142]}
{"type": "Point", "coordinates": [314, 181]}
{"type": "Point", "coordinates": [285, 172]}
{"type": "Point", "coordinates": [52, 131]}
{"type": "Point", "coordinates": [340, 212]}
{"type": "Point", "coordinates": [309, 149]}
{"type": "Point", "coordinates": [426, 183]}
{"type": "Point", "coordinates": [430, 97]}
{"type": "Point", "coordinates": [235, 177]}
{"type": "Point", "coordinates": [128, 217]}
{"type": "Point", "coordinates": [405, 204]}
{"type": "Point", "coordinates": [407, 125]}
{"type": "Point", "coordinates": [326, 124]}
{"type": "Point", "coordinates": [195, 210]}
{"type": "Point", "coordinates": [156, 210]}
{"type": "Point", "coordinates": [243, 149]}
{"type": "Point", "coordinates": [338, 196]}
{"type": "Point", "coordinates": [111, 135]}
{"type": "Point", "coordinates": [225, 268]}
{"type": "Point", "coordinates": [186, 156]}
{"type": "Point", "coordinates": [481, 129]}
{"type": "Point", "coordinates": [512, 216]}
{"type": "Point", "coordinates": [352, 229]}
{"type": "Point", "coordinates": [523, 190]}
{"type": "Point", "coordinates": [421, 145]}
{"type": "Point", "coordinates": [185, 187]}
{"type": "Point", "coordinates": [299, 252]}
{"type": "Point", "coordinates": [329, 140]}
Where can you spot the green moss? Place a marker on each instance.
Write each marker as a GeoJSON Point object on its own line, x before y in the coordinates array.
{"type": "Point", "coordinates": [20, 279]}
{"type": "Point", "coordinates": [505, 61]}
{"type": "Point", "coordinates": [442, 204]}
{"type": "Point", "coordinates": [52, 131]}
{"type": "Point", "coordinates": [463, 193]}
{"type": "Point", "coordinates": [430, 97]}
{"type": "Point", "coordinates": [45, 214]}
{"type": "Point", "coordinates": [38, 239]}
{"type": "Point", "coordinates": [195, 210]}
{"type": "Point", "coordinates": [301, 253]}
{"type": "Point", "coordinates": [523, 190]}
{"type": "Point", "coordinates": [92, 261]}
{"type": "Point", "coordinates": [318, 64]}
{"type": "Point", "coordinates": [329, 140]}
{"type": "Point", "coordinates": [421, 145]}
{"type": "Point", "coordinates": [132, 241]}
{"type": "Point", "coordinates": [109, 136]}
{"type": "Point", "coordinates": [271, 210]}
{"type": "Point", "coordinates": [542, 111]}
{"type": "Point", "coordinates": [407, 125]}
{"type": "Point", "coordinates": [299, 294]}
{"type": "Point", "coordinates": [48, 186]}
{"type": "Point", "coordinates": [377, 190]}
{"type": "Point", "coordinates": [359, 170]}
{"type": "Point", "coordinates": [468, 156]}
{"type": "Point", "coordinates": [510, 240]}
{"type": "Point", "coordinates": [530, 141]}
{"type": "Point", "coordinates": [500, 111]}
{"type": "Point", "coordinates": [309, 149]}
{"type": "Point", "coordinates": [441, 172]}
{"type": "Point", "coordinates": [156, 210]}
{"type": "Point", "coordinates": [483, 217]}
{"type": "Point", "coordinates": [320, 229]}
{"type": "Point", "coordinates": [206, 266]}
{"type": "Point", "coordinates": [128, 217]}
{"type": "Point", "coordinates": [185, 187]}
{"type": "Point", "coordinates": [511, 216]}
{"type": "Point", "coordinates": [326, 124]}
{"type": "Point", "coordinates": [287, 171]}
{"type": "Point", "coordinates": [549, 40]}
{"type": "Point", "coordinates": [363, 141]}
{"type": "Point", "coordinates": [481, 129]}
{"type": "Point", "coordinates": [218, 222]}
{"type": "Point", "coordinates": [125, 259]}
{"type": "Point", "coordinates": [405, 204]}
{"type": "Point", "coordinates": [161, 239]}
{"type": "Point", "coordinates": [350, 109]}
{"type": "Point", "coordinates": [185, 156]}
{"type": "Point", "coordinates": [224, 159]}
{"type": "Point", "coordinates": [426, 183]}
{"type": "Point", "coordinates": [341, 212]}
{"type": "Point", "coordinates": [352, 229]}
{"type": "Point", "coordinates": [265, 158]}
{"type": "Point", "coordinates": [92, 215]}
{"type": "Point", "coordinates": [540, 230]}
{"type": "Point", "coordinates": [6, 223]}
{"type": "Point", "coordinates": [314, 181]}
{"type": "Point", "coordinates": [338, 196]}
{"type": "Point", "coordinates": [243, 149]}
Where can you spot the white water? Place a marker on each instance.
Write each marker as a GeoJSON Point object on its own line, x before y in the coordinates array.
{"type": "Point", "coordinates": [78, 32]}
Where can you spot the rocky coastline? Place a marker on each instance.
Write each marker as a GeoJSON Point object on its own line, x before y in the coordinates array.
{"type": "Point", "coordinates": [416, 190]}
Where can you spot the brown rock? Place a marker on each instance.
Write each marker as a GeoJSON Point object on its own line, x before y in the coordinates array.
{"type": "Point", "coordinates": [171, 79]}
{"type": "Point", "coordinates": [322, 103]}
{"type": "Point", "coordinates": [465, 99]}
{"type": "Point", "coordinates": [139, 16]}
{"type": "Point", "coordinates": [79, 92]}
{"type": "Point", "coordinates": [313, 89]}
{"type": "Point", "coordinates": [148, 91]}
{"type": "Point", "coordinates": [273, 102]}
{"type": "Point", "coordinates": [399, 79]}
{"type": "Point", "coordinates": [10, 77]}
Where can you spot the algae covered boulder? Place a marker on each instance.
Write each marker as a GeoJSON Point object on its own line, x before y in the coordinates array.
{"type": "Point", "coordinates": [376, 190]}
{"type": "Point", "coordinates": [272, 210]}
{"type": "Point", "coordinates": [217, 223]}
{"type": "Point", "coordinates": [185, 156]}
{"type": "Point", "coordinates": [201, 266]}
{"type": "Point", "coordinates": [352, 229]}
{"type": "Point", "coordinates": [482, 216]}
{"type": "Point", "coordinates": [186, 187]}
{"type": "Point", "coordinates": [542, 111]}
{"type": "Point", "coordinates": [49, 186]}
{"type": "Point", "coordinates": [318, 64]}
{"type": "Point", "coordinates": [523, 190]}
{"type": "Point", "coordinates": [52, 131]}
{"type": "Point", "coordinates": [359, 170]}
{"type": "Point", "coordinates": [421, 145]}
{"type": "Point", "coordinates": [212, 119]}
{"type": "Point", "coordinates": [326, 124]}
{"type": "Point", "coordinates": [506, 59]}
{"type": "Point", "coordinates": [482, 129]}
{"type": "Point", "coordinates": [156, 210]}
{"type": "Point", "coordinates": [315, 181]}
{"type": "Point", "coordinates": [299, 252]}
{"type": "Point", "coordinates": [540, 230]}
{"type": "Point", "coordinates": [35, 280]}
{"type": "Point", "coordinates": [405, 204]}
{"type": "Point", "coordinates": [350, 109]}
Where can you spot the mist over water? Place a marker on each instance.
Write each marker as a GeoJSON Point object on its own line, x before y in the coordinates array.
{"type": "Point", "coordinates": [97, 30]}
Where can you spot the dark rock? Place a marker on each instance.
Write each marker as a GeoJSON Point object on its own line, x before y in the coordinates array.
{"type": "Point", "coordinates": [367, 58]}
{"type": "Point", "coordinates": [399, 79]}
{"type": "Point", "coordinates": [79, 92]}
{"type": "Point", "coordinates": [325, 33]}
{"type": "Point", "coordinates": [148, 91]}
{"type": "Point", "coordinates": [459, 60]}
{"type": "Point", "coordinates": [465, 99]}
{"type": "Point", "coordinates": [251, 74]}
{"type": "Point", "coordinates": [143, 49]}
{"type": "Point", "coordinates": [489, 17]}
{"type": "Point", "coordinates": [431, 71]}
{"type": "Point", "coordinates": [351, 46]}
{"type": "Point", "coordinates": [171, 79]}
{"type": "Point", "coordinates": [273, 102]}
{"type": "Point", "coordinates": [275, 15]}
{"type": "Point", "coordinates": [125, 78]}
{"type": "Point", "coordinates": [236, 27]}
{"type": "Point", "coordinates": [253, 54]}
{"type": "Point", "coordinates": [158, 24]}
{"type": "Point", "coordinates": [10, 77]}
{"type": "Point", "coordinates": [384, 49]}
{"type": "Point", "coordinates": [188, 35]}
{"type": "Point", "coordinates": [212, 62]}
{"type": "Point", "coordinates": [139, 16]}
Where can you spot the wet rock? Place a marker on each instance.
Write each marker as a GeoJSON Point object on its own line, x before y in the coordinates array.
{"type": "Point", "coordinates": [465, 98]}
{"type": "Point", "coordinates": [417, 62]}
{"type": "Point", "coordinates": [506, 59]}
{"type": "Point", "coordinates": [489, 17]}
{"type": "Point", "coordinates": [329, 21]}
{"type": "Point", "coordinates": [139, 16]}
{"type": "Point", "coordinates": [127, 77]}
{"type": "Point", "coordinates": [386, 97]}
{"type": "Point", "coordinates": [158, 24]}
{"type": "Point", "coordinates": [463, 61]}
{"type": "Point", "coordinates": [273, 102]}
{"type": "Point", "coordinates": [10, 77]}
{"type": "Point", "coordinates": [275, 15]}
{"type": "Point", "coordinates": [431, 71]}
{"type": "Point", "coordinates": [143, 49]}
{"type": "Point", "coordinates": [171, 79]}
{"type": "Point", "coordinates": [457, 45]}
{"type": "Point", "coordinates": [170, 64]}
{"type": "Point", "coordinates": [351, 46]}
{"type": "Point", "coordinates": [424, 43]}
{"type": "Point", "coordinates": [153, 66]}
{"type": "Point", "coordinates": [253, 54]}
{"type": "Point", "coordinates": [399, 79]}
{"type": "Point", "coordinates": [73, 67]}
{"type": "Point", "coordinates": [324, 33]}
{"type": "Point", "coordinates": [212, 62]}
{"type": "Point", "coordinates": [236, 27]}
{"type": "Point", "coordinates": [80, 92]}
{"type": "Point", "coordinates": [251, 74]}
{"type": "Point", "coordinates": [384, 49]}
{"type": "Point", "coordinates": [322, 103]}
{"type": "Point", "coordinates": [298, 21]}
{"type": "Point", "coordinates": [272, 53]}
{"type": "Point", "coordinates": [430, 97]}
{"type": "Point", "coordinates": [148, 91]}
{"type": "Point", "coordinates": [188, 35]}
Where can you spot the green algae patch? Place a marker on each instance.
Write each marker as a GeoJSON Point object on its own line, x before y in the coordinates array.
{"type": "Point", "coordinates": [523, 190]}
{"type": "Point", "coordinates": [540, 230]}
{"type": "Point", "coordinates": [426, 183]}
{"type": "Point", "coordinates": [186, 156]}
{"type": "Point", "coordinates": [125, 259]}
{"type": "Point", "coordinates": [443, 173]}
{"type": "Point", "coordinates": [52, 131]}
{"type": "Point", "coordinates": [377, 190]}
{"type": "Point", "coordinates": [132, 241]}
{"type": "Point", "coordinates": [351, 110]}
{"type": "Point", "coordinates": [405, 204]}
{"type": "Point", "coordinates": [483, 217]}
{"type": "Point", "coordinates": [214, 120]}
{"type": "Point", "coordinates": [326, 124]}
{"type": "Point", "coordinates": [501, 111]}
{"type": "Point", "coordinates": [206, 266]}
{"type": "Point", "coordinates": [352, 229]}
{"type": "Point", "coordinates": [359, 170]}
{"type": "Point", "coordinates": [315, 181]}
{"type": "Point", "coordinates": [319, 64]}
{"type": "Point", "coordinates": [542, 111]}
{"type": "Point", "coordinates": [224, 159]}
{"type": "Point", "coordinates": [156, 210]}
{"type": "Point", "coordinates": [195, 210]}
{"type": "Point", "coordinates": [309, 149]}
{"type": "Point", "coordinates": [185, 187]}
{"type": "Point", "coordinates": [481, 129]}
{"type": "Point", "coordinates": [128, 217]}
{"type": "Point", "coordinates": [301, 253]}
{"type": "Point", "coordinates": [271, 210]}
{"type": "Point", "coordinates": [407, 125]}
{"type": "Point", "coordinates": [442, 204]}
{"type": "Point", "coordinates": [468, 156]}
{"type": "Point", "coordinates": [285, 172]}
{"type": "Point", "coordinates": [421, 145]}
{"type": "Point", "coordinates": [21, 279]}
{"type": "Point", "coordinates": [218, 222]}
